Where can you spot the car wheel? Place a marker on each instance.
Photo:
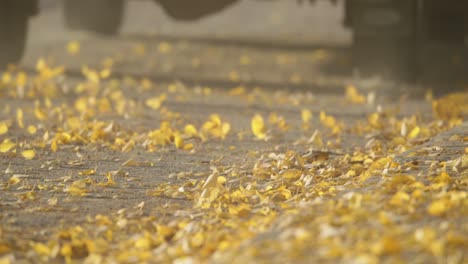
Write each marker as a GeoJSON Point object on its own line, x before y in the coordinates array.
{"type": "Point", "coordinates": [193, 10]}
{"type": "Point", "coordinates": [446, 21]}
{"type": "Point", "coordinates": [13, 31]}
{"type": "Point", "coordinates": [389, 57]}
{"type": "Point", "coordinates": [385, 38]}
{"type": "Point", "coordinates": [98, 16]}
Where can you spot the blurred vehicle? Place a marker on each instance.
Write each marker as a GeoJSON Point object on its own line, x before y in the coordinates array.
{"type": "Point", "coordinates": [98, 16]}
{"type": "Point", "coordinates": [387, 33]}
{"type": "Point", "coordinates": [14, 16]}
{"type": "Point", "coordinates": [106, 16]}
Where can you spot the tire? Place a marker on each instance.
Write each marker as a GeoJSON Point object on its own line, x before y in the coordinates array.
{"type": "Point", "coordinates": [97, 16]}
{"type": "Point", "coordinates": [389, 57]}
{"type": "Point", "coordinates": [13, 32]}
{"type": "Point", "coordinates": [446, 21]}
{"type": "Point", "coordinates": [191, 10]}
{"type": "Point", "coordinates": [385, 38]}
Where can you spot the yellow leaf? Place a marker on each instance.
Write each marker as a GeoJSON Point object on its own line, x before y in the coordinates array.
{"type": "Point", "coordinates": [443, 177]}
{"type": "Point", "coordinates": [165, 231]}
{"type": "Point", "coordinates": [452, 106]}
{"type": "Point", "coordinates": [110, 180]}
{"type": "Point", "coordinates": [14, 180]}
{"type": "Point", "coordinates": [400, 198]}
{"type": "Point", "coordinates": [208, 196]}
{"type": "Point", "coordinates": [41, 249]}
{"type": "Point", "coordinates": [225, 128]}
{"type": "Point", "coordinates": [128, 146]}
{"type": "Point", "coordinates": [164, 47]}
{"type": "Point", "coordinates": [197, 240]}
{"type": "Point", "coordinates": [81, 105]}
{"type": "Point", "coordinates": [273, 118]}
{"type": "Point", "coordinates": [146, 83]}
{"type": "Point", "coordinates": [6, 78]}
{"type": "Point", "coordinates": [143, 243]}
{"type": "Point", "coordinates": [238, 91]}
{"type": "Point", "coordinates": [6, 146]}
{"type": "Point", "coordinates": [87, 172]}
{"type": "Point", "coordinates": [216, 119]}
{"type": "Point", "coordinates": [52, 201]}
{"type": "Point", "coordinates": [215, 128]}
{"type": "Point", "coordinates": [31, 195]}
{"type": "Point", "coordinates": [104, 105]}
{"type": "Point", "coordinates": [41, 65]}
{"type": "Point", "coordinates": [220, 180]}
{"type": "Point", "coordinates": [78, 188]}
{"type": "Point", "coordinates": [206, 91]}
{"type": "Point", "coordinates": [292, 174]}
{"type": "Point", "coordinates": [54, 146]}
{"type": "Point", "coordinates": [3, 128]}
{"type": "Point", "coordinates": [188, 146]}
{"type": "Point", "coordinates": [74, 122]}
{"type": "Point", "coordinates": [19, 117]}
{"type": "Point", "coordinates": [258, 127]}
{"type": "Point", "coordinates": [306, 115]}
{"type": "Point", "coordinates": [242, 210]}
{"type": "Point", "coordinates": [436, 248]}
{"type": "Point", "coordinates": [464, 160]}
{"type": "Point", "coordinates": [327, 121]}
{"type": "Point", "coordinates": [437, 208]}
{"type": "Point", "coordinates": [387, 246]}
{"type": "Point", "coordinates": [399, 180]}
{"type": "Point", "coordinates": [4, 249]}
{"type": "Point", "coordinates": [374, 120]}
{"type": "Point", "coordinates": [384, 218]}
{"type": "Point", "coordinates": [173, 87]}
{"type": "Point", "coordinates": [32, 129]}
{"type": "Point", "coordinates": [414, 132]}
{"type": "Point", "coordinates": [190, 130]}
{"type": "Point", "coordinates": [283, 194]}
{"type": "Point", "coordinates": [21, 79]}
{"type": "Point", "coordinates": [66, 250]}
{"type": "Point", "coordinates": [91, 75]}
{"type": "Point", "coordinates": [73, 47]}
{"type": "Point", "coordinates": [353, 96]}
{"type": "Point", "coordinates": [104, 74]}
{"type": "Point", "coordinates": [178, 141]}
{"type": "Point", "coordinates": [28, 154]}
{"type": "Point", "coordinates": [134, 163]}
{"type": "Point", "coordinates": [156, 102]}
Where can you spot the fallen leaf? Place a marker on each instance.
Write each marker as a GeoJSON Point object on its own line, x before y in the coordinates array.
{"type": "Point", "coordinates": [258, 127]}
{"type": "Point", "coordinates": [6, 146]}
{"type": "Point", "coordinates": [3, 128]}
{"type": "Point", "coordinates": [28, 154]}
{"type": "Point", "coordinates": [73, 47]}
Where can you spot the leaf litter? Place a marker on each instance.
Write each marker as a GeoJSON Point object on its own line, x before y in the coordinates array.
{"type": "Point", "coordinates": [309, 201]}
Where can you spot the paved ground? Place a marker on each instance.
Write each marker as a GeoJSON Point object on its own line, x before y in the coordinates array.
{"type": "Point", "coordinates": [166, 159]}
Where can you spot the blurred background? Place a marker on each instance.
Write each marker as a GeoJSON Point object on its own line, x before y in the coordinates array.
{"type": "Point", "coordinates": [321, 45]}
{"type": "Point", "coordinates": [252, 19]}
